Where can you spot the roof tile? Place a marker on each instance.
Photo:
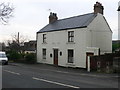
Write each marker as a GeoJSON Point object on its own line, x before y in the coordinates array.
{"type": "Point", "coordinates": [69, 23]}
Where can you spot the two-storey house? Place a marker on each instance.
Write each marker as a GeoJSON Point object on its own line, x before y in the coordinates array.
{"type": "Point", "coordinates": [67, 42]}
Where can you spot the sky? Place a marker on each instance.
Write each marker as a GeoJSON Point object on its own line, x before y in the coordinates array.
{"type": "Point", "coordinates": [32, 15]}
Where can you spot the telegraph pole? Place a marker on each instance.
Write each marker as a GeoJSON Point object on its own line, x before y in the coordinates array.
{"type": "Point", "coordinates": [18, 38]}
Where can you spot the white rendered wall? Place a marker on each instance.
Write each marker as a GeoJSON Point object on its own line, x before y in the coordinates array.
{"type": "Point", "coordinates": [96, 35]}
{"type": "Point", "coordinates": [59, 40]}
{"type": "Point", "coordinates": [101, 35]}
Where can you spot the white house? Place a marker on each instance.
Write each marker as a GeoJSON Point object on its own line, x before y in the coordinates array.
{"type": "Point", "coordinates": [119, 20]}
{"type": "Point", "coordinates": [67, 42]}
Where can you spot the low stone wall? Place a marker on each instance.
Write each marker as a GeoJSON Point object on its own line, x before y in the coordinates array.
{"type": "Point", "coordinates": [104, 63]}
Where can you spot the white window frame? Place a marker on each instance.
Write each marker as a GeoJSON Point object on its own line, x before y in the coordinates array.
{"type": "Point", "coordinates": [70, 36]}
{"type": "Point", "coordinates": [70, 56]}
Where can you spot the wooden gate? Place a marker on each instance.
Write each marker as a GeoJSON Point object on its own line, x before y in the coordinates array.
{"type": "Point", "coordinates": [88, 54]}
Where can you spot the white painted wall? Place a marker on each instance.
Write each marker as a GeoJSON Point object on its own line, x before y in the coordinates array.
{"type": "Point", "coordinates": [96, 35]}
{"type": "Point", "coordinates": [59, 40]}
{"type": "Point", "coordinates": [101, 35]}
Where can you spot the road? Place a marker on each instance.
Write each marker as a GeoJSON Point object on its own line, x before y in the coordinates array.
{"type": "Point", "coordinates": [47, 76]}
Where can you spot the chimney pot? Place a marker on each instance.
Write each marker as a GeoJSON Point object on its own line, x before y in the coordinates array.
{"type": "Point", "coordinates": [98, 8]}
{"type": "Point", "coordinates": [53, 17]}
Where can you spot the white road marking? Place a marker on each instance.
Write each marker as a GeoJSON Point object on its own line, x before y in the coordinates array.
{"type": "Point", "coordinates": [55, 82]}
{"type": "Point", "coordinates": [62, 72]}
{"type": "Point", "coordinates": [11, 72]}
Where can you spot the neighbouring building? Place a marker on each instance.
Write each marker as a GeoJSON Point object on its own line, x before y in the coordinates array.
{"type": "Point", "coordinates": [30, 47]}
{"type": "Point", "coordinates": [68, 42]}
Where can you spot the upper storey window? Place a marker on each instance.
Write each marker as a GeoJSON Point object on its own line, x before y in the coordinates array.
{"type": "Point", "coordinates": [71, 36]}
{"type": "Point", "coordinates": [44, 38]}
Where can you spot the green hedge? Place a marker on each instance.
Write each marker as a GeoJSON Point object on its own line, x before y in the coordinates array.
{"type": "Point", "coordinates": [13, 55]}
{"type": "Point", "coordinates": [30, 58]}
{"type": "Point", "coordinates": [21, 57]}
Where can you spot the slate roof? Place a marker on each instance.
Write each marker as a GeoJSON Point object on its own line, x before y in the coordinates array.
{"type": "Point", "coordinates": [69, 23]}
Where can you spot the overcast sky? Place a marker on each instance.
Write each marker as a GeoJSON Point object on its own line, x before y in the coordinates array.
{"type": "Point", "coordinates": [32, 15]}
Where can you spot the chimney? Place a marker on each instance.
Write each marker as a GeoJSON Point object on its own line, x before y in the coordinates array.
{"type": "Point", "coordinates": [98, 8]}
{"type": "Point", "coordinates": [53, 17]}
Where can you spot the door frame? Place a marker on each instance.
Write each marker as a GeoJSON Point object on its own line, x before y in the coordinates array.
{"type": "Point", "coordinates": [55, 56]}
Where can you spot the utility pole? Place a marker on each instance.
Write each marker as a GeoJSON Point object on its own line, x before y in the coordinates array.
{"type": "Point", "coordinates": [18, 38]}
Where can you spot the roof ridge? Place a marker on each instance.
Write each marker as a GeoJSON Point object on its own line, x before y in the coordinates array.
{"type": "Point", "coordinates": [74, 16]}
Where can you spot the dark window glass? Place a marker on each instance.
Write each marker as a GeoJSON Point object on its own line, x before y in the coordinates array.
{"type": "Point", "coordinates": [44, 53]}
{"type": "Point", "coordinates": [71, 36]}
{"type": "Point", "coordinates": [44, 38]}
{"type": "Point", "coordinates": [70, 56]}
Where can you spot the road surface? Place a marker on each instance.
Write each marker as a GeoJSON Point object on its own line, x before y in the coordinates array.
{"type": "Point", "coordinates": [47, 76]}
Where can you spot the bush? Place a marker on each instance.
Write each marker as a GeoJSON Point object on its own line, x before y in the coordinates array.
{"type": "Point", "coordinates": [30, 58]}
{"type": "Point", "coordinates": [115, 46]}
{"type": "Point", "coordinates": [13, 55]}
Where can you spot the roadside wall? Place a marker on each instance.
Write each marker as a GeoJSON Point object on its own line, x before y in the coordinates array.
{"type": "Point", "coordinates": [103, 63]}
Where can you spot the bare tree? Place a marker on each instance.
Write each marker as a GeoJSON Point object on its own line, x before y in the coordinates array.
{"type": "Point", "coordinates": [18, 38]}
{"type": "Point", "coordinates": [2, 46]}
{"type": "Point", "coordinates": [17, 42]}
{"type": "Point", "coordinates": [6, 12]}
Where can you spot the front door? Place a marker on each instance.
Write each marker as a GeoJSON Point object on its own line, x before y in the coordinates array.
{"type": "Point", "coordinates": [55, 52]}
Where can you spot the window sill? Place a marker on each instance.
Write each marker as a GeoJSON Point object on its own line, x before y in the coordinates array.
{"type": "Point", "coordinates": [44, 60]}
{"type": "Point", "coordinates": [70, 64]}
{"type": "Point", "coordinates": [70, 43]}
{"type": "Point", "coordinates": [44, 43]}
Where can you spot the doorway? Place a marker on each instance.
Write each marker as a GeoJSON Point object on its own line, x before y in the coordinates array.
{"type": "Point", "coordinates": [55, 58]}
{"type": "Point", "coordinates": [88, 54]}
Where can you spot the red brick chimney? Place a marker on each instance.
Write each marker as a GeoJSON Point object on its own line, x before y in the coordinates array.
{"type": "Point", "coordinates": [53, 17]}
{"type": "Point", "coordinates": [98, 8]}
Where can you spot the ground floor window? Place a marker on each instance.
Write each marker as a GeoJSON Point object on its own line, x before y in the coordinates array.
{"type": "Point", "coordinates": [44, 53]}
{"type": "Point", "coordinates": [70, 56]}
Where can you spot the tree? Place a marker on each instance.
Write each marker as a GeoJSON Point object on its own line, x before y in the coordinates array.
{"type": "Point", "coordinates": [20, 39]}
{"type": "Point", "coordinates": [6, 12]}
{"type": "Point", "coordinates": [2, 46]}
{"type": "Point", "coordinates": [115, 46]}
{"type": "Point", "coordinates": [17, 42]}
{"type": "Point", "coordinates": [15, 47]}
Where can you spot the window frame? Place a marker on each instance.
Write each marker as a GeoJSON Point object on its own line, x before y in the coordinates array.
{"type": "Point", "coordinates": [70, 36]}
{"type": "Point", "coordinates": [44, 53]}
{"type": "Point", "coordinates": [70, 55]}
{"type": "Point", "coordinates": [44, 38]}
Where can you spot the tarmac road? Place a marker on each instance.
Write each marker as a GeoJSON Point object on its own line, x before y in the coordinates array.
{"type": "Point", "coordinates": [46, 76]}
